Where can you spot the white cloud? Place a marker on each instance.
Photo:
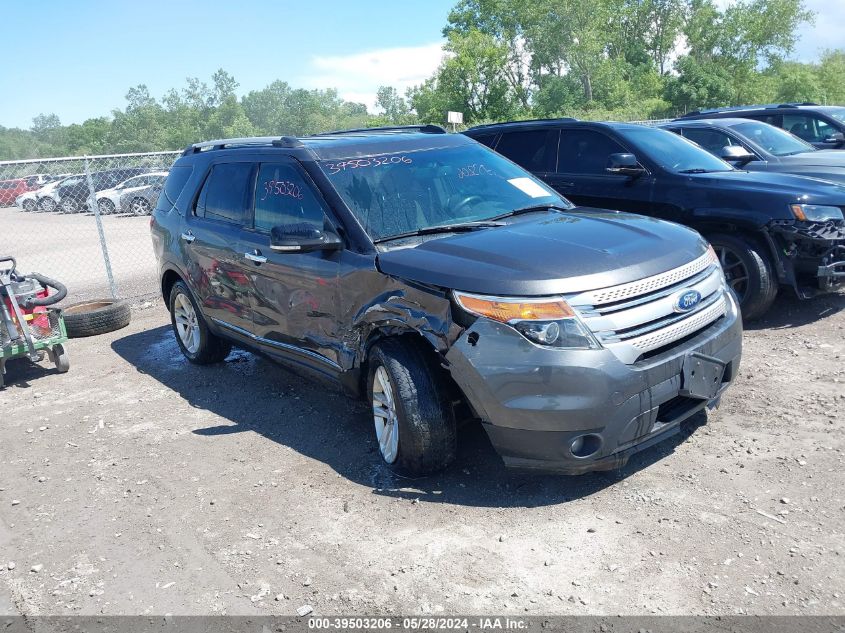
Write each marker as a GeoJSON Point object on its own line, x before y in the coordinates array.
{"type": "Point", "coordinates": [814, 38]}
{"type": "Point", "coordinates": [358, 76]}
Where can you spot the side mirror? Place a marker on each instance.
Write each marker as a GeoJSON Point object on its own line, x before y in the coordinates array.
{"type": "Point", "coordinates": [736, 154]}
{"type": "Point", "coordinates": [837, 138]}
{"type": "Point", "coordinates": [624, 165]}
{"type": "Point", "coordinates": [303, 238]}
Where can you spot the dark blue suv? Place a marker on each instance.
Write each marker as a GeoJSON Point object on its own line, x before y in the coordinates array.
{"type": "Point", "coordinates": [769, 230]}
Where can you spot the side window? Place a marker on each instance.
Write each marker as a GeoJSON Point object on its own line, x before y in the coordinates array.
{"type": "Point", "coordinates": [585, 152]}
{"type": "Point", "coordinates": [533, 150]}
{"type": "Point", "coordinates": [225, 194]}
{"type": "Point", "coordinates": [807, 127]}
{"type": "Point", "coordinates": [711, 140]}
{"type": "Point", "coordinates": [486, 139]}
{"type": "Point", "coordinates": [284, 196]}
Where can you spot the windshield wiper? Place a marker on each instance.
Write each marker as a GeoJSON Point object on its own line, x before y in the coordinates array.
{"type": "Point", "coordinates": [696, 171]}
{"type": "Point", "coordinates": [461, 227]}
{"type": "Point", "coordinates": [531, 209]}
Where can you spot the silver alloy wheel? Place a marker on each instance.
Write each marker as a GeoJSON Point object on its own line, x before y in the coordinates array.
{"type": "Point", "coordinates": [47, 204]}
{"type": "Point", "coordinates": [106, 206]}
{"type": "Point", "coordinates": [69, 206]}
{"type": "Point", "coordinates": [140, 206]}
{"type": "Point", "coordinates": [187, 324]}
{"type": "Point", "coordinates": [384, 415]}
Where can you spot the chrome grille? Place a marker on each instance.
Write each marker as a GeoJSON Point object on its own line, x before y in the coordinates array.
{"type": "Point", "coordinates": [634, 318]}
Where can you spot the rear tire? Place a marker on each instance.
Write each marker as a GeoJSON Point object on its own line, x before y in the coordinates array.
{"type": "Point", "coordinates": [420, 411]}
{"type": "Point", "coordinates": [206, 348]}
{"type": "Point", "coordinates": [749, 272]}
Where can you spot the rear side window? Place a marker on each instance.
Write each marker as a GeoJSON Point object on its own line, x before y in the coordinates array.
{"type": "Point", "coordinates": [225, 194]}
{"type": "Point", "coordinates": [533, 150]}
{"type": "Point", "coordinates": [284, 197]}
{"type": "Point", "coordinates": [585, 152]}
{"type": "Point", "coordinates": [176, 181]}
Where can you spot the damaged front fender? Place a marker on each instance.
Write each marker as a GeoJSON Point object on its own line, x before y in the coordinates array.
{"type": "Point", "coordinates": [813, 253]}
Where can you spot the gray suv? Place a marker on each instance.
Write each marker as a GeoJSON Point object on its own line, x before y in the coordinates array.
{"type": "Point", "coordinates": [440, 282]}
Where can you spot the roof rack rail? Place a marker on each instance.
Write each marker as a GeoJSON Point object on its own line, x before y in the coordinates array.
{"type": "Point", "coordinates": [223, 143]}
{"type": "Point", "coordinates": [762, 106]}
{"type": "Point", "coordinates": [425, 129]}
{"type": "Point", "coordinates": [550, 120]}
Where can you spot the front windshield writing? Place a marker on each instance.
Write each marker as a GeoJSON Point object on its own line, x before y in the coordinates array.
{"type": "Point", "coordinates": [403, 192]}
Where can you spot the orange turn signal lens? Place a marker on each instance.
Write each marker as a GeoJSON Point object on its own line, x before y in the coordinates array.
{"type": "Point", "coordinates": [506, 310]}
{"type": "Point", "coordinates": [798, 212]}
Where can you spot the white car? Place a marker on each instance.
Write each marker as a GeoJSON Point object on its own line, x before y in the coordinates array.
{"type": "Point", "coordinates": [44, 199]}
{"type": "Point", "coordinates": [110, 200]}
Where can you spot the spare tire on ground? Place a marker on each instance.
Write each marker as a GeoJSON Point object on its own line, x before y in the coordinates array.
{"type": "Point", "coordinates": [96, 316]}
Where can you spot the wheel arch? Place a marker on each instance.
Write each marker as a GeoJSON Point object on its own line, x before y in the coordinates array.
{"type": "Point", "coordinates": [168, 279]}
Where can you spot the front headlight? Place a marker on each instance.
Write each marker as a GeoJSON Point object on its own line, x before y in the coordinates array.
{"type": "Point", "coordinates": [548, 322]}
{"type": "Point", "coordinates": [815, 212]}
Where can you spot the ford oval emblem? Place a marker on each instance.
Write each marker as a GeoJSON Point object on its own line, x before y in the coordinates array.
{"type": "Point", "coordinates": [686, 300]}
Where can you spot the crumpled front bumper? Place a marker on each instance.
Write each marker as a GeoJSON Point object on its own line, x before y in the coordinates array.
{"type": "Point", "coordinates": [534, 402]}
{"type": "Point", "coordinates": [815, 252]}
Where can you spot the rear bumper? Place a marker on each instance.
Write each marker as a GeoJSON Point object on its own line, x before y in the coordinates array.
{"type": "Point", "coordinates": [534, 402]}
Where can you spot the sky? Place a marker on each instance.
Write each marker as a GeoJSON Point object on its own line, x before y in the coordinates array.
{"type": "Point", "coordinates": [78, 59]}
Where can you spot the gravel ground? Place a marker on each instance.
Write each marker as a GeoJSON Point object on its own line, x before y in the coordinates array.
{"type": "Point", "coordinates": [67, 248]}
{"type": "Point", "coordinates": [139, 484]}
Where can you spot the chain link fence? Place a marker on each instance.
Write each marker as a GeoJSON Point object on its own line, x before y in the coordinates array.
{"type": "Point", "coordinates": [84, 221]}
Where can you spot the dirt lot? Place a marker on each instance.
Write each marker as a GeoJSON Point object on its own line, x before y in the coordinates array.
{"type": "Point", "coordinates": [138, 484]}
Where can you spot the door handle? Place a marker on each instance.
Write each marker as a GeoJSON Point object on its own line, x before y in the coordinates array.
{"type": "Point", "coordinates": [188, 237]}
{"type": "Point", "coordinates": [564, 184]}
{"type": "Point", "coordinates": [256, 257]}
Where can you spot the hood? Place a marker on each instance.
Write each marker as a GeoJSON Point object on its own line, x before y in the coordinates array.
{"type": "Point", "coordinates": [821, 158]}
{"type": "Point", "coordinates": [787, 188]}
{"type": "Point", "coordinates": [547, 253]}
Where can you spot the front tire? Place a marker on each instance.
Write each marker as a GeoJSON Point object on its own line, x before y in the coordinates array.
{"type": "Point", "coordinates": [749, 272]}
{"type": "Point", "coordinates": [197, 342]}
{"type": "Point", "coordinates": [414, 420]}
{"type": "Point", "coordinates": [47, 205]}
{"type": "Point", "coordinates": [29, 206]}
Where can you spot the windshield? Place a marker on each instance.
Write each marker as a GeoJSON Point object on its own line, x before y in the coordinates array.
{"type": "Point", "coordinates": [393, 194]}
{"type": "Point", "coordinates": [773, 139]}
{"type": "Point", "coordinates": [836, 113]}
{"type": "Point", "coordinates": [673, 152]}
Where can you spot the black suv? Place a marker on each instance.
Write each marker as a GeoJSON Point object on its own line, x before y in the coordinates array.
{"type": "Point", "coordinates": [823, 126]}
{"type": "Point", "coordinates": [768, 229]}
{"type": "Point", "coordinates": [442, 282]}
{"type": "Point", "coordinates": [73, 194]}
